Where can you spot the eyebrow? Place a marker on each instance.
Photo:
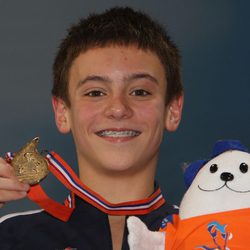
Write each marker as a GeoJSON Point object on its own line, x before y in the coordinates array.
{"type": "Point", "coordinates": [93, 78]}
{"type": "Point", "coordinates": [138, 76]}
{"type": "Point", "coordinates": [106, 79]}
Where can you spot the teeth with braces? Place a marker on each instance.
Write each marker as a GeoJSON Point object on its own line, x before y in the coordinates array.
{"type": "Point", "coordinates": [126, 133]}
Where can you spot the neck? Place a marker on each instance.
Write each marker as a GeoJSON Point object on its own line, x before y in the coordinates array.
{"type": "Point", "coordinates": [121, 186]}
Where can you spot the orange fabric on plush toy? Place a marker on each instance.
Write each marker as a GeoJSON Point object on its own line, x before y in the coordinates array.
{"type": "Point", "coordinates": [224, 230]}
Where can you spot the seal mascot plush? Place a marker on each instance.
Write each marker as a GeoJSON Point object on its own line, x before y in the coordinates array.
{"type": "Point", "coordinates": [214, 213]}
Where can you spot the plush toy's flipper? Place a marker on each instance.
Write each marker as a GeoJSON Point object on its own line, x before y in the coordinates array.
{"type": "Point", "coordinates": [140, 238]}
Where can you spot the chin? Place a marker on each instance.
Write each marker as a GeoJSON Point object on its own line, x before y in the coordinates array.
{"type": "Point", "coordinates": [122, 167]}
{"type": "Point", "coordinates": [116, 170]}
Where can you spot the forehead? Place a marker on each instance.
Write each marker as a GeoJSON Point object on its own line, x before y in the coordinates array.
{"type": "Point", "coordinates": [124, 59]}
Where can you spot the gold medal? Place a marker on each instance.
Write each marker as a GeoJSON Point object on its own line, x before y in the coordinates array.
{"type": "Point", "coordinates": [29, 165]}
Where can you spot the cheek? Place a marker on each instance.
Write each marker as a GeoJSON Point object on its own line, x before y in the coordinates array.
{"type": "Point", "coordinates": [84, 115]}
{"type": "Point", "coordinates": [154, 114]}
{"type": "Point", "coordinates": [153, 118]}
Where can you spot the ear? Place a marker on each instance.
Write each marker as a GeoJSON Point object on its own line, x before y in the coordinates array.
{"type": "Point", "coordinates": [173, 113]}
{"type": "Point", "coordinates": [61, 112]}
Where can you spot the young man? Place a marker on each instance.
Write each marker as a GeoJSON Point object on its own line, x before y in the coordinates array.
{"type": "Point", "coordinates": [116, 88]}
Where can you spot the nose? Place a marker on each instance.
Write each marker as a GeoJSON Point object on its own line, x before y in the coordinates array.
{"type": "Point", "coordinates": [226, 176]}
{"type": "Point", "coordinates": [118, 108]}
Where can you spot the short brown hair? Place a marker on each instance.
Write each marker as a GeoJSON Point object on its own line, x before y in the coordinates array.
{"type": "Point", "coordinates": [117, 26]}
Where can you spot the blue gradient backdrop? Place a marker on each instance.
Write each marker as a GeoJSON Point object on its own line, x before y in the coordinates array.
{"type": "Point", "coordinates": [213, 37]}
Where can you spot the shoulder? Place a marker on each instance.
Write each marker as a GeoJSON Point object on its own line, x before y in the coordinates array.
{"type": "Point", "coordinates": [21, 215]}
{"type": "Point", "coordinates": [28, 220]}
{"type": "Point", "coordinates": [22, 222]}
{"type": "Point", "coordinates": [14, 227]}
{"type": "Point", "coordinates": [25, 229]}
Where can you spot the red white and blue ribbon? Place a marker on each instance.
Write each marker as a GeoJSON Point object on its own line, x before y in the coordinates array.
{"type": "Point", "coordinates": [66, 175]}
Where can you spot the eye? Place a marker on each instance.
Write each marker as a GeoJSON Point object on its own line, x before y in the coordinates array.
{"type": "Point", "coordinates": [140, 92]}
{"type": "Point", "coordinates": [95, 93]}
{"type": "Point", "coordinates": [213, 168]}
{"type": "Point", "coordinates": [243, 167]}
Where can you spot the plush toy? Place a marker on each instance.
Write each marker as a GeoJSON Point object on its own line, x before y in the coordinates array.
{"type": "Point", "coordinates": [214, 213]}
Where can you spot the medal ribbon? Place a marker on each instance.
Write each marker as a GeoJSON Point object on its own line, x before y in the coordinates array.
{"type": "Point", "coordinates": [62, 171]}
{"type": "Point", "coordinates": [67, 176]}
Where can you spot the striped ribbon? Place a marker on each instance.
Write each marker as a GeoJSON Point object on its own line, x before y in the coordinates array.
{"type": "Point", "coordinates": [67, 176]}
{"type": "Point", "coordinates": [62, 171]}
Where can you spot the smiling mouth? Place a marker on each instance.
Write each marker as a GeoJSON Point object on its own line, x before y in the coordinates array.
{"type": "Point", "coordinates": [224, 185]}
{"type": "Point", "coordinates": [118, 133]}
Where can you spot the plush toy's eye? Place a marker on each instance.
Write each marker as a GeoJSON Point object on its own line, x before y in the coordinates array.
{"type": "Point", "coordinates": [243, 167]}
{"type": "Point", "coordinates": [213, 168]}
